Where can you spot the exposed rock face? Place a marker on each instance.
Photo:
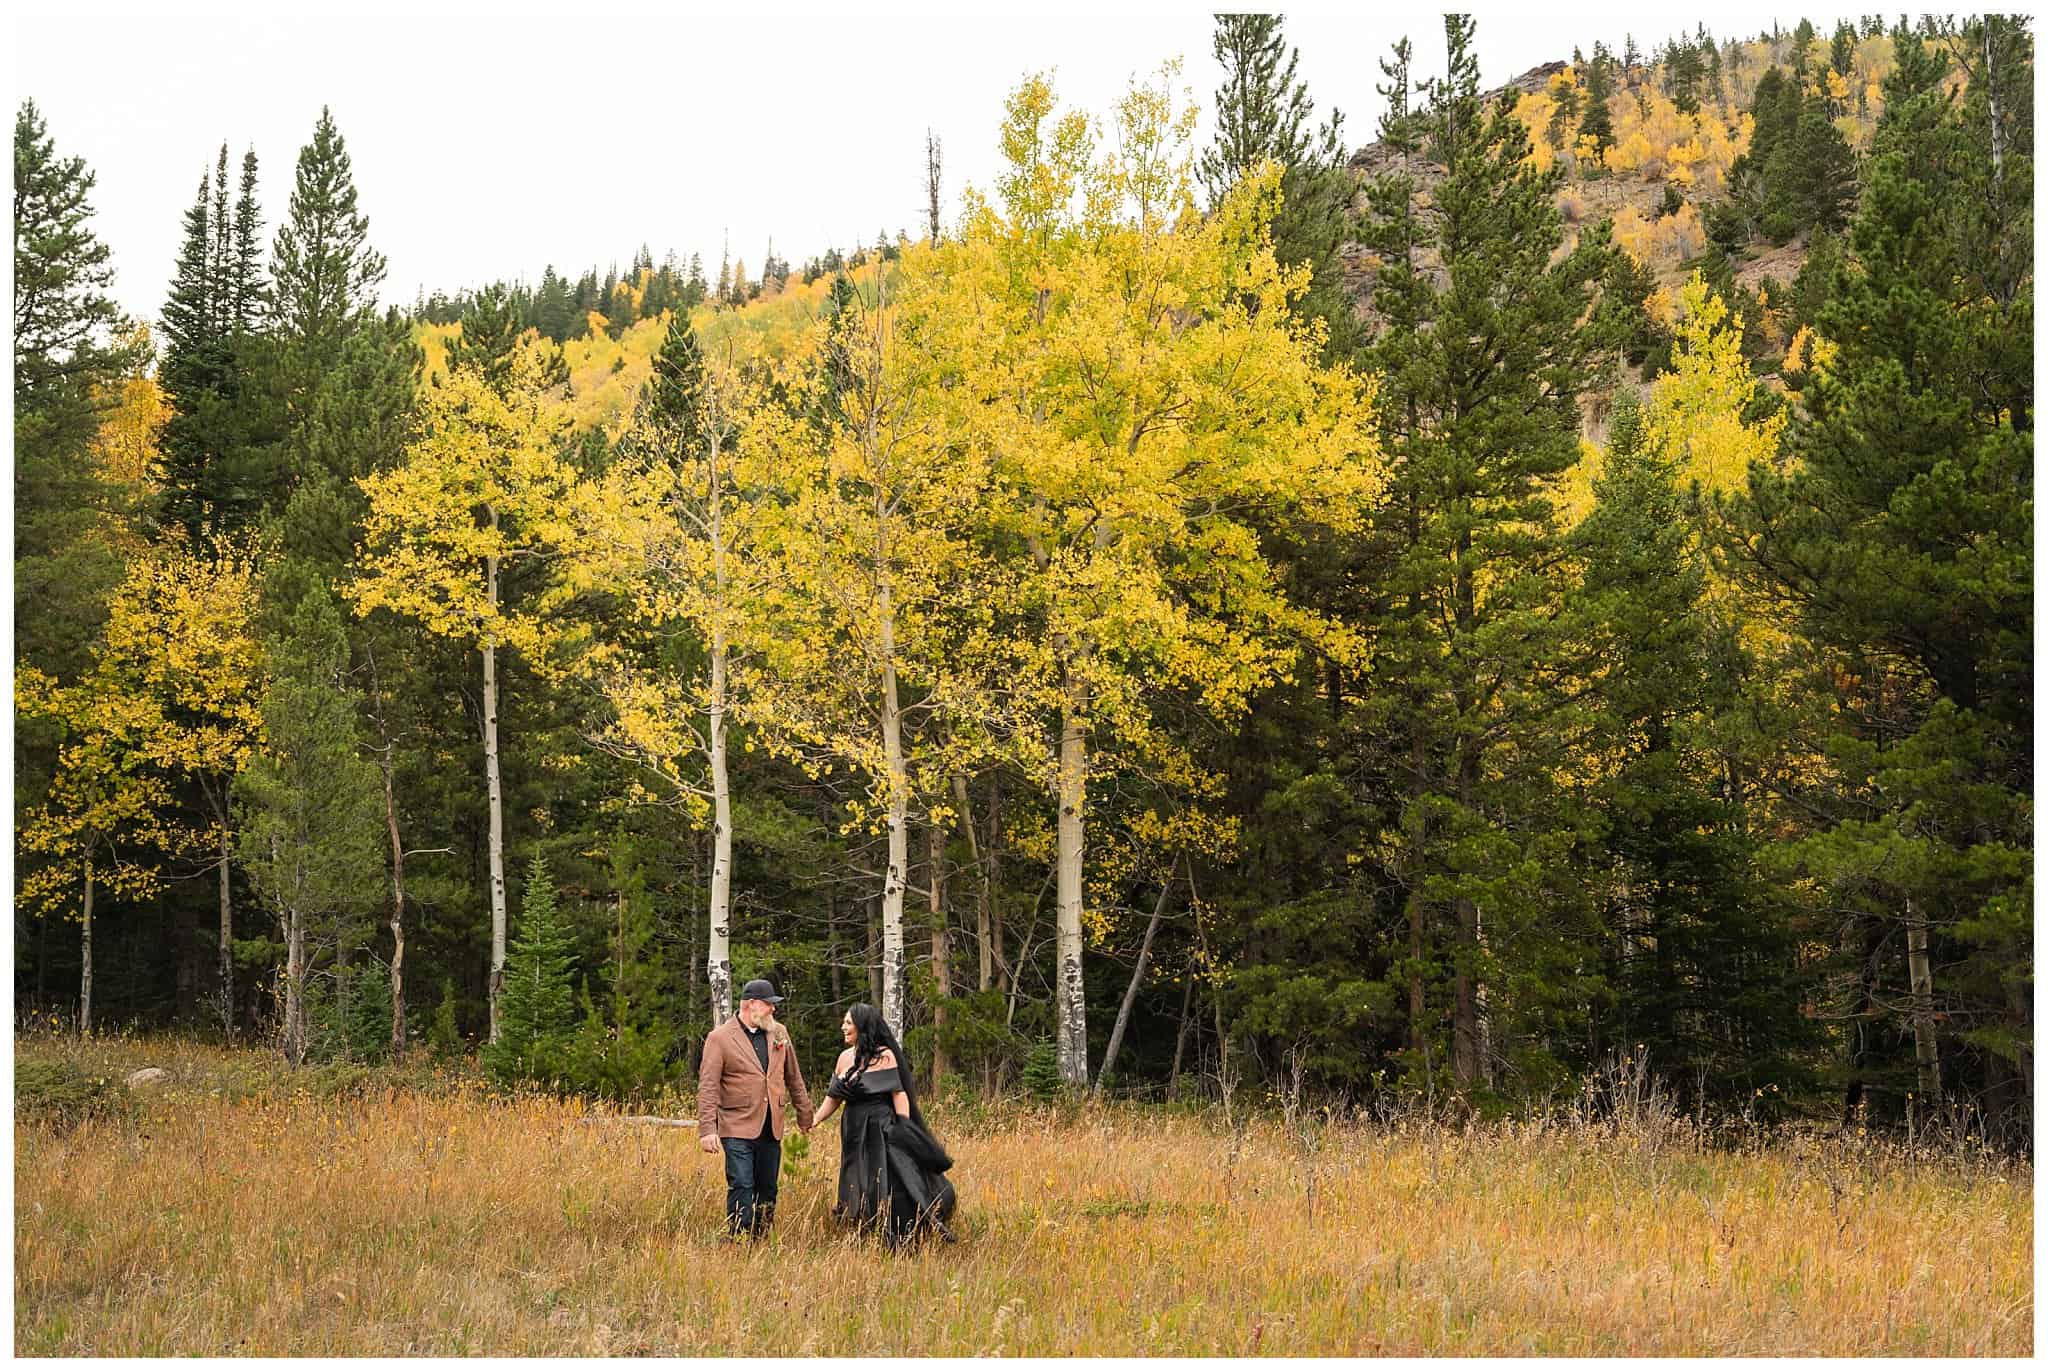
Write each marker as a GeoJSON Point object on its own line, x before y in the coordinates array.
{"type": "Point", "coordinates": [1374, 158]}
{"type": "Point", "coordinates": [147, 1076]}
{"type": "Point", "coordinates": [1377, 159]}
{"type": "Point", "coordinates": [1582, 204]}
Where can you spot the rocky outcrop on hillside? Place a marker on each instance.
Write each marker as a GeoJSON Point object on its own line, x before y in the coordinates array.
{"type": "Point", "coordinates": [1582, 202]}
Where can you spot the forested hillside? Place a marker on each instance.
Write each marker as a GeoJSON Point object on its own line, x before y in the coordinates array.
{"type": "Point", "coordinates": [1549, 587]}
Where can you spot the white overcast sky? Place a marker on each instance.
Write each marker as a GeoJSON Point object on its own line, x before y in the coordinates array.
{"type": "Point", "coordinates": [489, 141]}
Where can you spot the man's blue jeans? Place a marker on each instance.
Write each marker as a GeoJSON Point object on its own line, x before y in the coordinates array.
{"type": "Point", "coordinates": [752, 1169]}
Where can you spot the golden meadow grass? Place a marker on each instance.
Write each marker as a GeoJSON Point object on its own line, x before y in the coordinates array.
{"type": "Point", "coordinates": [231, 1215]}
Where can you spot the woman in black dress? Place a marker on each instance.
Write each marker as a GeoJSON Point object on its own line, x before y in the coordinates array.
{"type": "Point", "coordinates": [892, 1172]}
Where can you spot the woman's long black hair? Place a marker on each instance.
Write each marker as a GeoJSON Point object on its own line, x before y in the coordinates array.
{"type": "Point", "coordinates": [871, 1034]}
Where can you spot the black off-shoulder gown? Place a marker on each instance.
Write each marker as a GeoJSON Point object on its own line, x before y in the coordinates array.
{"type": "Point", "coordinates": [892, 1173]}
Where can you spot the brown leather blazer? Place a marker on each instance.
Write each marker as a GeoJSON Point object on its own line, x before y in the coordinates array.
{"type": "Point", "coordinates": [733, 1092]}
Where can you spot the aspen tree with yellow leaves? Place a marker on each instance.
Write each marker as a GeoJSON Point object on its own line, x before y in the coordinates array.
{"type": "Point", "coordinates": [1134, 373]}
{"type": "Point", "coordinates": [104, 824]}
{"type": "Point", "coordinates": [484, 484]}
{"type": "Point", "coordinates": [878, 639]}
{"type": "Point", "coordinates": [673, 527]}
{"type": "Point", "coordinates": [181, 644]}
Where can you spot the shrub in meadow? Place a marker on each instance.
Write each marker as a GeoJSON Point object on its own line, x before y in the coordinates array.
{"type": "Point", "coordinates": [52, 1091]}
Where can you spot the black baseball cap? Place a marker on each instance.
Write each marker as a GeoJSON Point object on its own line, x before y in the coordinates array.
{"type": "Point", "coordinates": [759, 989]}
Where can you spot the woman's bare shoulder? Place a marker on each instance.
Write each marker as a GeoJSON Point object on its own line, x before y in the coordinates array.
{"type": "Point", "coordinates": [884, 1060]}
{"type": "Point", "coordinates": [845, 1059]}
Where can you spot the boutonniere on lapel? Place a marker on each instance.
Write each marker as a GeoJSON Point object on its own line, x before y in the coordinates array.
{"type": "Point", "coordinates": [778, 1037]}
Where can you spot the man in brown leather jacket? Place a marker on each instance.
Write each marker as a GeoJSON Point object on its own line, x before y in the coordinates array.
{"type": "Point", "coordinates": [748, 1075]}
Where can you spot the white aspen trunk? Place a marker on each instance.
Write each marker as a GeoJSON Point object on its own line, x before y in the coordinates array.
{"type": "Point", "coordinates": [1180, 1038]}
{"type": "Point", "coordinates": [894, 997]}
{"type": "Point", "coordinates": [387, 763]}
{"type": "Point", "coordinates": [497, 795]}
{"type": "Point", "coordinates": [397, 909]}
{"type": "Point", "coordinates": [295, 988]}
{"type": "Point", "coordinates": [871, 948]}
{"type": "Point", "coordinates": [227, 937]}
{"type": "Point", "coordinates": [85, 953]}
{"type": "Point", "coordinates": [1070, 996]}
{"type": "Point", "coordinates": [1991, 93]}
{"type": "Point", "coordinates": [1123, 1013]}
{"type": "Point", "coordinates": [718, 945]}
{"type": "Point", "coordinates": [1926, 1052]}
{"type": "Point", "coordinates": [1004, 977]}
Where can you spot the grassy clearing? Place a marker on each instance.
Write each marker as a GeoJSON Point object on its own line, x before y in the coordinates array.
{"type": "Point", "coordinates": [237, 1212]}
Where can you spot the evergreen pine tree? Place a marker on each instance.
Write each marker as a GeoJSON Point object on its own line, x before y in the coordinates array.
{"type": "Point", "coordinates": [340, 375]}
{"type": "Point", "coordinates": [658, 290]}
{"type": "Point", "coordinates": [1711, 82]}
{"type": "Point", "coordinates": [325, 273]}
{"type": "Point", "coordinates": [1774, 110]}
{"type": "Point", "coordinates": [1598, 122]}
{"type": "Point", "coordinates": [212, 462]}
{"type": "Point", "coordinates": [1698, 956]}
{"type": "Point", "coordinates": [1263, 111]}
{"type": "Point", "coordinates": [641, 992]}
{"type": "Point", "coordinates": [1802, 47]}
{"type": "Point", "coordinates": [1041, 1077]}
{"type": "Point", "coordinates": [248, 293]}
{"type": "Point", "coordinates": [489, 337]}
{"type": "Point", "coordinates": [443, 1035]}
{"type": "Point", "coordinates": [1842, 51]}
{"type": "Point", "coordinates": [553, 308]}
{"type": "Point", "coordinates": [537, 1011]}
{"type": "Point", "coordinates": [1479, 400]}
{"type": "Point", "coordinates": [585, 300]}
{"type": "Point", "coordinates": [311, 818]}
{"type": "Point", "coordinates": [71, 349]}
{"type": "Point", "coordinates": [1901, 536]}
{"type": "Point", "coordinates": [64, 322]}
{"type": "Point", "coordinates": [193, 371]}
{"type": "Point", "coordinates": [1562, 116]}
{"type": "Point", "coordinates": [1682, 74]}
{"type": "Point", "coordinates": [1810, 180]}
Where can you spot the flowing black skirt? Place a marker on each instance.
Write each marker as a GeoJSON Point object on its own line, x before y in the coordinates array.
{"type": "Point", "coordinates": [892, 1175]}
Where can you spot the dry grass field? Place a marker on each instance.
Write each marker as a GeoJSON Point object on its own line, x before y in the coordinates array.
{"type": "Point", "coordinates": [230, 1211]}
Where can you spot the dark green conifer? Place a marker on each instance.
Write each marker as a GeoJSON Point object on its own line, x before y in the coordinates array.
{"type": "Point", "coordinates": [537, 1011]}
{"type": "Point", "coordinates": [1263, 111]}
{"type": "Point", "coordinates": [1901, 539]}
